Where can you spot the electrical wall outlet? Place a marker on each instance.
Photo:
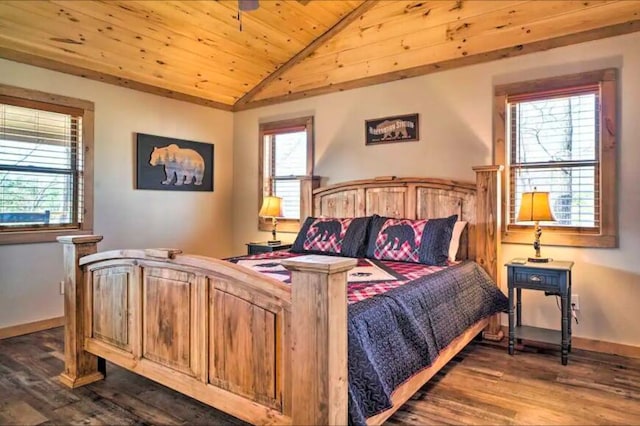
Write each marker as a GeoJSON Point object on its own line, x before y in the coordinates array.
{"type": "Point", "coordinates": [575, 302]}
{"type": "Point", "coordinates": [61, 287]}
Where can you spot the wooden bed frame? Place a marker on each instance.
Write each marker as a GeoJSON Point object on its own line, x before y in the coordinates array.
{"type": "Point", "coordinates": [242, 342]}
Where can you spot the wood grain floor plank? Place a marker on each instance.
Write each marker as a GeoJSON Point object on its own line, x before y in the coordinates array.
{"type": "Point", "coordinates": [481, 385]}
{"type": "Point", "coordinates": [93, 412]}
{"type": "Point", "coordinates": [15, 412]}
{"type": "Point", "coordinates": [592, 389]}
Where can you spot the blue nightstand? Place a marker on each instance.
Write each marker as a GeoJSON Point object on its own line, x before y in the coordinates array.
{"type": "Point", "coordinates": [554, 278]}
{"type": "Point", "coordinates": [264, 247]}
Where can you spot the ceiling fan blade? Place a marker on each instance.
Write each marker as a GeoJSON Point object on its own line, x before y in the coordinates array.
{"type": "Point", "coordinates": [248, 5]}
{"type": "Point", "coordinates": [304, 2]}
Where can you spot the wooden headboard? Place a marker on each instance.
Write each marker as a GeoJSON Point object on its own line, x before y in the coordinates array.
{"type": "Point", "coordinates": [420, 198]}
{"type": "Point", "coordinates": [424, 198]}
{"type": "Point", "coordinates": [408, 198]}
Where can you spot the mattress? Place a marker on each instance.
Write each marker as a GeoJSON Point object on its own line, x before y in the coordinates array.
{"type": "Point", "coordinates": [400, 317]}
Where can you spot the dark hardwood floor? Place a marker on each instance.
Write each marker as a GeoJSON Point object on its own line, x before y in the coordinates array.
{"type": "Point", "coordinates": [483, 385]}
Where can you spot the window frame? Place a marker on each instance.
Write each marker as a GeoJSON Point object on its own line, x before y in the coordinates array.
{"type": "Point", "coordinates": [283, 126]}
{"type": "Point", "coordinates": [606, 235]}
{"type": "Point", "coordinates": [56, 103]}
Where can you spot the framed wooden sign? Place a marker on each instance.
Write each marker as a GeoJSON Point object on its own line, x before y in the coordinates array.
{"type": "Point", "coordinates": [399, 128]}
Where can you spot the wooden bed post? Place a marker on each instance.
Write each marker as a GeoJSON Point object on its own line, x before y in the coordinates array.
{"type": "Point", "coordinates": [319, 328]}
{"type": "Point", "coordinates": [307, 185]}
{"type": "Point", "coordinates": [488, 232]}
{"type": "Point", "coordinates": [80, 367]}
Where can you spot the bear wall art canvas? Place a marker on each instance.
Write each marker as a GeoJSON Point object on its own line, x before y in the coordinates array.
{"type": "Point", "coordinates": [173, 164]}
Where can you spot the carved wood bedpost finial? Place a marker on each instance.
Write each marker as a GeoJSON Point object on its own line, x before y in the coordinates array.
{"type": "Point", "coordinates": [319, 329]}
{"type": "Point", "coordinates": [80, 367]}
{"type": "Point", "coordinates": [489, 231]}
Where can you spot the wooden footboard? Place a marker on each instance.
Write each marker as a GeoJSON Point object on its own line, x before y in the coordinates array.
{"type": "Point", "coordinates": [242, 342]}
{"type": "Point", "coordinates": [227, 336]}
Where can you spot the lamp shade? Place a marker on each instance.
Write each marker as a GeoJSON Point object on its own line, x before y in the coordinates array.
{"type": "Point", "coordinates": [271, 207]}
{"type": "Point", "coordinates": [534, 206]}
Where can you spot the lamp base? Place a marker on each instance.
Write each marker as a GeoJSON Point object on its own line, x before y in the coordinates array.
{"type": "Point", "coordinates": [274, 242]}
{"type": "Point", "coordinates": [538, 259]}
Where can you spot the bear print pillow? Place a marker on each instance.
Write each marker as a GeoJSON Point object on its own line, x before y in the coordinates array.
{"type": "Point", "coordinates": [405, 240]}
{"type": "Point", "coordinates": [333, 236]}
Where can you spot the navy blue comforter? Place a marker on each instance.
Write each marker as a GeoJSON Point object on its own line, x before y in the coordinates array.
{"type": "Point", "coordinates": [395, 335]}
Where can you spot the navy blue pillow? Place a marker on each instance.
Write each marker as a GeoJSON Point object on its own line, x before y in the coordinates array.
{"type": "Point", "coordinates": [419, 241]}
{"type": "Point", "coordinates": [332, 236]}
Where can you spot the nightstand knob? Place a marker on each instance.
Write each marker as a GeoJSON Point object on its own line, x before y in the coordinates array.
{"type": "Point", "coordinates": [535, 278]}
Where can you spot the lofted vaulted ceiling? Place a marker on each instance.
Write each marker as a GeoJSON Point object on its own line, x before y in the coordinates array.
{"type": "Point", "coordinates": [199, 51]}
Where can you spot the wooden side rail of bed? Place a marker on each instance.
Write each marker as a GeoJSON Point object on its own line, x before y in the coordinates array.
{"type": "Point", "coordinates": [235, 339]}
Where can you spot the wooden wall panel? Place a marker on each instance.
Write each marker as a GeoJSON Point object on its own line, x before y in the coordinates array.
{"type": "Point", "coordinates": [433, 203]}
{"type": "Point", "coordinates": [244, 348]}
{"type": "Point", "coordinates": [342, 204]}
{"type": "Point", "coordinates": [110, 306]}
{"type": "Point", "coordinates": [198, 49]}
{"type": "Point", "coordinates": [388, 201]}
{"type": "Point", "coordinates": [205, 52]}
{"type": "Point", "coordinates": [435, 33]}
{"type": "Point", "coordinates": [166, 318]}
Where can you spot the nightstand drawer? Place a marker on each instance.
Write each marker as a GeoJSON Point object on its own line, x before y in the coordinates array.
{"type": "Point", "coordinates": [539, 277]}
{"type": "Point", "coordinates": [257, 248]}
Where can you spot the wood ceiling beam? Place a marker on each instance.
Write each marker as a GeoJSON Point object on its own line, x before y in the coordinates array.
{"type": "Point", "coordinates": [304, 53]}
{"type": "Point", "coordinates": [508, 52]}
{"type": "Point", "coordinates": [51, 64]}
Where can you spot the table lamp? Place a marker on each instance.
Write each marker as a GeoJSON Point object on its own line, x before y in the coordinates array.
{"type": "Point", "coordinates": [272, 207]}
{"type": "Point", "coordinates": [534, 207]}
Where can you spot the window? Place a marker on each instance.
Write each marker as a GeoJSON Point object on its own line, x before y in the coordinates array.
{"type": "Point", "coordinates": [286, 156]}
{"type": "Point", "coordinates": [45, 166]}
{"type": "Point", "coordinates": [558, 135]}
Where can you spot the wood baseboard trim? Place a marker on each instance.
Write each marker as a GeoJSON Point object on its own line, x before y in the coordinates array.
{"type": "Point", "coordinates": [31, 327]}
{"type": "Point", "coordinates": [595, 345]}
{"type": "Point", "coordinates": [606, 347]}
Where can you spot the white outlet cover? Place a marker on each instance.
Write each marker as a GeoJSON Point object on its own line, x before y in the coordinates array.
{"type": "Point", "coordinates": [575, 301]}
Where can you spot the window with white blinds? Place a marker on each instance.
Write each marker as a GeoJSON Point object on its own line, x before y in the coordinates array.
{"type": "Point", "coordinates": [557, 135]}
{"type": "Point", "coordinates": [554, 148]}
{"type": "Point", "coordinates": [288, 160]}
{"type": "Point", "coordinates": [286, 152]}
{"type": "Point", "coordinates": [42, 161]}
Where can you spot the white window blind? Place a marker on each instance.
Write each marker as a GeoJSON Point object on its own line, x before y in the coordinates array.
{"type": "Point", "coordinates": [554, 140]}
{"type": "Point", "coordinates": [287, 162]}
{"type": "Point", "coordinates": [41, 166]}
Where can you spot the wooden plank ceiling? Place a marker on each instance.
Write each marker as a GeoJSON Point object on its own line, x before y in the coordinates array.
{"type": "Point", "coordinates": [288, 49]}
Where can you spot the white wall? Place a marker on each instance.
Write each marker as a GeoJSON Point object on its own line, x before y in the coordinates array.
{"type": "Point", "coordinates": [455, 134]}
{"type": "Point", "coordinates": [197, 222]}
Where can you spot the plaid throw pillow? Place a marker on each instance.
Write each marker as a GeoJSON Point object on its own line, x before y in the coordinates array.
{"type": "Point", "coordinates": [418, 241]}
{"type": "Point", "coordinates": [332, 236]}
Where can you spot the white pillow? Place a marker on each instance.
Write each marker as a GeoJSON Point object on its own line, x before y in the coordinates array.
{"type": "Point", "coordinates": [455, 239]}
